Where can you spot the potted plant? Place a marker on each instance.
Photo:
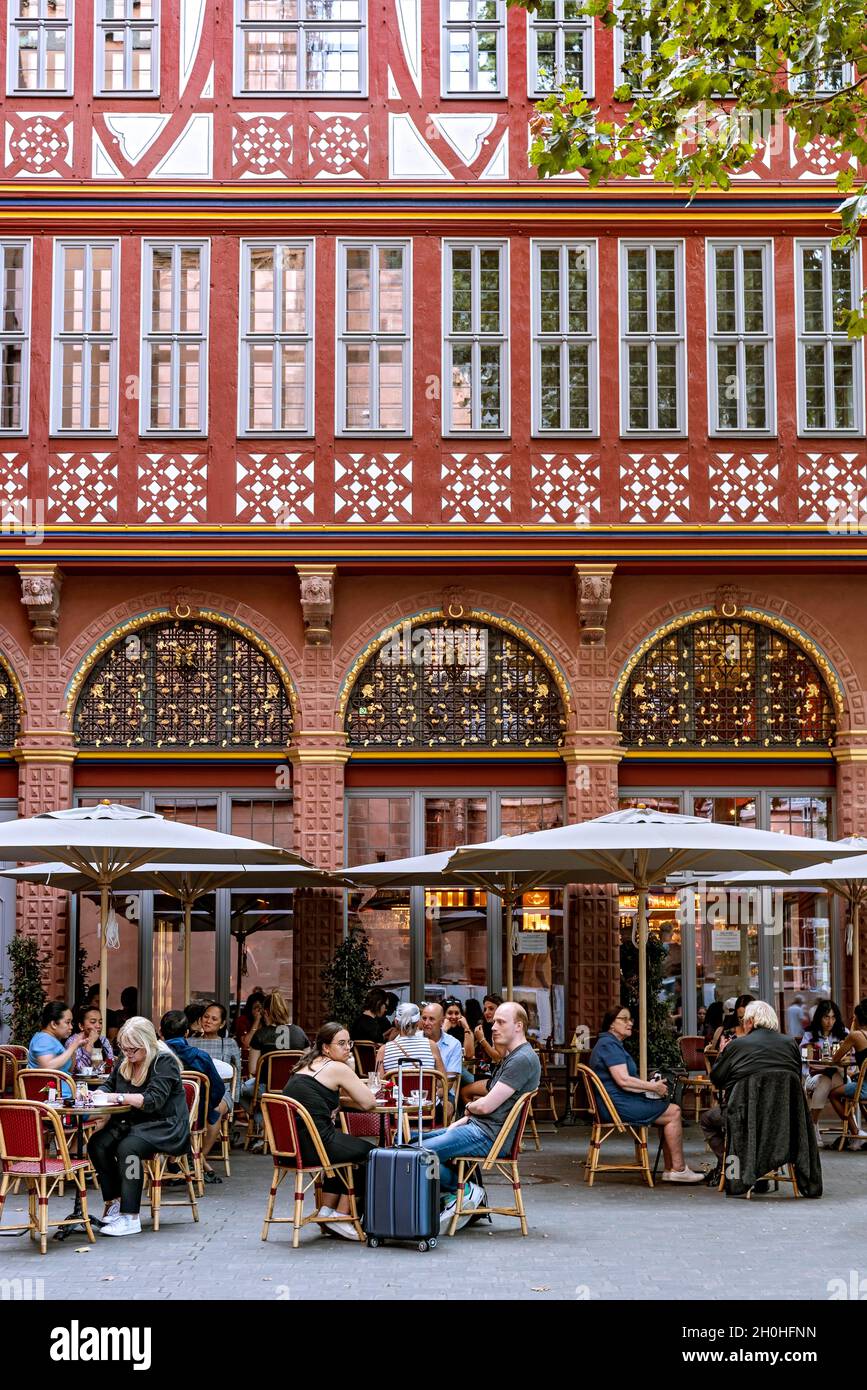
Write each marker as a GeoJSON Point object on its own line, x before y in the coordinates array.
{"type": "Point", "coordinates": [348, 976]}
{"type": "Point", "coordinates": [23, 999]}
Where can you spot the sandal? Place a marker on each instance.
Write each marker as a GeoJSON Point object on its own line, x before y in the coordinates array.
{"type": "Point", "coordinates": [210, 1176]}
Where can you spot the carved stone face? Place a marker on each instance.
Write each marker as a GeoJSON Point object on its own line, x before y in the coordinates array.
{"type": "Point", "coordinates": [315, 590]}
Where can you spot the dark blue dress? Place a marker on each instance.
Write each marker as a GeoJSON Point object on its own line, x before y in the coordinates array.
{"type": "Point", "coordinates": [633, 1107]}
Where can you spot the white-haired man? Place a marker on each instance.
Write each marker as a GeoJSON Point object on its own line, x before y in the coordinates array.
{"type": "Point", "coordinates": [762, 1048]}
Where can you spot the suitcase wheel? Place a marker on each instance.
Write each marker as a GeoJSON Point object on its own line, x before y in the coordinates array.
{"type": "Point", "coordinates": [424, 1245]}
{"type": "Point", "coordinates": [373, 1242]}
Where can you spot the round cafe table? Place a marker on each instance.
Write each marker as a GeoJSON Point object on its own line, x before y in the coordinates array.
{"type": "Point", "coordinates": [80, 1113]}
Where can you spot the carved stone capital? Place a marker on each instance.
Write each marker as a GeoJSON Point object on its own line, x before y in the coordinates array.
{"type": "Point", "coordinates": [40, 594]}
{"type": "Point", "coordinates": [317, 602]}
{"type": "Point", "coordinates": [594, 599]}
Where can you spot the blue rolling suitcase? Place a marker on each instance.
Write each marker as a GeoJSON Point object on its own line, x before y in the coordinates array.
{"type": "Point", "coordinates": [402, 1200]}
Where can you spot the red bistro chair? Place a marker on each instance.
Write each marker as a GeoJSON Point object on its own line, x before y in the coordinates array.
{"type": "Point", "coordinates": [285, 1120]}
{"type": "Point", "coordinates": [26, 1128]}
{"type": "Point", "coordinates": [272, 1073]}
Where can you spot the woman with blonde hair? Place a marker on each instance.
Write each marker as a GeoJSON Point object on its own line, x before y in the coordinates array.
{"type": "Point", "coordinates": [148, 1079]}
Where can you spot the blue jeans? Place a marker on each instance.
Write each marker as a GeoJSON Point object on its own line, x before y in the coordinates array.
{"type": "Point", "coordinates": [457, 1139]}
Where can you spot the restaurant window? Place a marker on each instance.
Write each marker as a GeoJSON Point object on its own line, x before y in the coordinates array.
{"type": "Point", "coordinates": [565, 370]}
{"type": "Point", "coordinates": [476, 312]}
{"type": "Point", "coordinates": [741, 337]}
{"type": "Point", "coordinates": [725, 683]}
{"type": "Point", "coordinates": [379, 828]}
{"type": "Point", "coordinates": [454, 685]}
{"type": "Point", "coordinates": [374, 323]}
{"type": "Point", "coordinates": [473, 48]}
{"type": "Point", "coordinates": [15, 336]}
{"type": "Point", "coordinates": [559, 48]}
{"type": "Point", "coordinates": [830, 364]}
{"type": "Point", "coordinates": [653, 344]}
{"type": "Point", "coordinates": [40, 47]}
{"type": "Point", "coordinates": [86, 322]}
{"type": "Point", "coordinates": [275, 380]}
{"type": "Point", "coordinates": [539, 931]}
{"type": "Point", "coordinates": [183, 684]}
{"type": "Point", "coordinates": [127, 47]}
{"type": "Point", "coordinates": [295, 46]}
{"type": "Point", "coordinates": [174, 337]}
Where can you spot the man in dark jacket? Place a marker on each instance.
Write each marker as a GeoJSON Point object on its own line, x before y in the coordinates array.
{"type": "Point", "coordinates": [762, 1048]}
{"type": "Point", "coordinates": [174, 1030]}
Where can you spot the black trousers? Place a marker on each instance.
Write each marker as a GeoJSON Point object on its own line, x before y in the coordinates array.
{"type": "Point", "coordinates": [119, 1163]}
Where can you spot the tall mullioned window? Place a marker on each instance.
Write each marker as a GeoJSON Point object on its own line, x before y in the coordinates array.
{"type": "Point", "coordinates": [830, 364]}
{"type": "Point", "coordinates": [652, 337]}
{"type": "Point", "coordinates": [40, 46]}
{"type": "Point", "coordinates": [374, 317]}
{"type": "Point", "coordinates": [741, 323]}
{"type": "Point", "coordinates": [14, 335]}
{"type": "Point", "coordinates": [564, 338]}
{"type": "Point", "coordinates": [296, 46]}
{"type": "Point", "coordinates": [559, 47]}
{"type": "Point", "coordinates": [127, 47]}
{"type": "Point", "coordinates": [276, 366]}
{"type": "Point", "coordinates": [86, 312]}
{"type": "Point", "coordinates": [175, 337]}
{"type": "Point", "coordinates": [476, 338]}
{"type": "Point", "coordinates": [473, 47]}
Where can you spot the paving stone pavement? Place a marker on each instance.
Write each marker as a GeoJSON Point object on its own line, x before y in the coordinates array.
{"type": "Point", "coordinates": [616, 1240]}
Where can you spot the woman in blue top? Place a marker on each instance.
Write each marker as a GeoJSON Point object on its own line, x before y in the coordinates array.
{"type": "Point", "coordinates": [618, 1073]}
{"type": "Point", "coordinates": [52, 1047]}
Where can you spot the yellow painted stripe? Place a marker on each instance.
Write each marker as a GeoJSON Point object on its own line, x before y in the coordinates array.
{"type": "Point", "coordinates": [752, 753]}
{"type": "Point", "coordinates": [367, 553]}
{"type": "Point", "coordinates": [425, 216]}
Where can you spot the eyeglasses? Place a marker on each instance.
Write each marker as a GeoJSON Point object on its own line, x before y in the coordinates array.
{"type": "Point", "coordinates": [131, 1051]}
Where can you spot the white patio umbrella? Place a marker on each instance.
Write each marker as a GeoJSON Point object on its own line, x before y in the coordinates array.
{"type": "Point", "coordinates": [184, 882]}
{"type": "Point", "coordinates": [106, 841]}
{"type": "Point", "coordinates": [641, 848]}
{"type": "Point", "coordinates": [847, 878]}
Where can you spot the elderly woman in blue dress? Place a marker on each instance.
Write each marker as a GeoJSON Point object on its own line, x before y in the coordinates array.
{"type": "Point", "coordinates": [618, 1073]}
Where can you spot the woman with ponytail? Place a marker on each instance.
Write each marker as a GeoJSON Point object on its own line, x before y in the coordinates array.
{"type": "Point", "coordinates": [316, 1083]}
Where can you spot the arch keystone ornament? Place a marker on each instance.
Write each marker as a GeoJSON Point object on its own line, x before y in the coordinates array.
{"type": "Point", "coordinates": [317, 602]}
{"type": "Point", "coordinates": [40, 595]}
{"type": "Point", "coordinates": [594, 600]}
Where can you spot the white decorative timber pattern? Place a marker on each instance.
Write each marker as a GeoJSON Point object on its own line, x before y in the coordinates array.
{"type": "Point", "coordinates": [14, 470]}
{"type": "Point", "coordinates": [830, 486]}
{"type": "Point", "coordinates": [172, 488]}
{"type": "Point", "coordinates": [476, 488]}
{"type": "Point", "coordinates": [744, 488]}
{"type": "Point", "coordinates": [82, 487]}
{"type": "Point", "coordinates": [654, 488]}
{"type": "Point", "coordinates": [565, 488]}
{"type": "Point", "coordinates": [373, 488]}
{"type": "Point", "coordinates": [275, 489]}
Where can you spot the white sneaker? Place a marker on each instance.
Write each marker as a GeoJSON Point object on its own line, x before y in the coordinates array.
{"type": "Point", "coordinates": [858, 1143]}
{"type": "Point", "coordinates": [125, 1225]}
{"type": "Point", "coordinates": [446, 1215]}
{"type": "Point", "coordinates": [326, 1213]}
{"type": "Point", "coordinates": [684, 1175]}
{"type": "Point", "coordinates": [111, 1215]}
{"type": "Point", "coordinates": [344, 1229]}
{"type": "Point", "coordinates": [474, 1196]}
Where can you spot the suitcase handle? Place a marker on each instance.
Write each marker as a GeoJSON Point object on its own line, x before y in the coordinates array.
{"type": "Point", "coordinates": [409, 1062]}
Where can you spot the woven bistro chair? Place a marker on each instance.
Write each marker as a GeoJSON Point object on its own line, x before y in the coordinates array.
{"type": "Point", "coordinates": [851, 1104]}
{"type": "Point", "coordinates": [33, 1083]}
{"type": "Point", "coordinates": [10, 1064]}
{"type": "Point", "coordinates": [697, 1082]}
{"type": "Point", "coordinates": [155, 1168]}
{"type": "Point", "coordinates": [434, 1088]}
{"type": "Point", "coordinates": [272, 1073]}
{"type": "Point", "coordinates": [285, 1120]}
{"type": "Point", "coordinates": [599, 1101]}
{"type": "Point", "coordinates": [222, 1149]}
{"type": "Point", "coordinates": [26, 1126]}
{"type": "Point", "coordinates": [198, 1121]}
{"type": "Point", "coordinates": [365, 1057]}
{"type": "Point", "coordinates": [503, 1161]}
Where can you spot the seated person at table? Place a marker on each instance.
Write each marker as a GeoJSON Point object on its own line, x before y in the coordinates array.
{"type": "Point", "coordinates": [250, 1016]}
{"type": "Point", "coordinates": [148, 1078]}
{"type": "Point", "coordinates": [90, 1026]}
{"type": "Point", "coordinates": [517, 1075]}
{"type": "Point", "coordinates": [409, 1043]}
{"type": "Point", "coordinates": [761, 1048]}
{"type": "Point", "coordinates": [174, 1029]}
{"type": "Point", "coordinates": [276, 1033]}
{"type": "Point", "coordinates": [55, 1045]}
{"type": "Point", "coordinates": [220, 1047]}
{"type": "Point", "coordinates": [826, 1031]}
{"type": "Point", "coordinates": [618, 1073]}
{"type": "Point", "coordinates": [732, 1025]}
{"type": "Point", "coordinates": [194, 1013]}
{"type": "Point", "coordinates": [856, 1042]}
{"type": "Point", "coordinates": [432, 1021]}
{"type": "Point", "coordinates": [486, 1055]}
{"type": "Point", "coordinates": [371, 1023]}
{"type": "Point", "coordinates": [316, 1083]}
{"type": "Point", "coordinates": [456, 1026]}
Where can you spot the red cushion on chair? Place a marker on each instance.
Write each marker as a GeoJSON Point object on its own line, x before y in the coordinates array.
{"type": "Point", "coordinates": [50, 1165]}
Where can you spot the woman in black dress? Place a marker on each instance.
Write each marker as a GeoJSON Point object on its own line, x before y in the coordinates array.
{"type": "Point", "coordinates": [321, 1074]}
{"type": "Point", "coordinates": [148, 1079]}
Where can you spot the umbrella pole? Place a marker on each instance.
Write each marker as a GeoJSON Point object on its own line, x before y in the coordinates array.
{"type": "Point", "coordinates": [508, 905]}
{"type": "Point", "coordinates": [642, 982]}
{"type": "Point", "coordinates": [103, 950]}
{"type": "Point", "coordinates": [856, 949]}
{"type": "Point", "coordinates": [188, 925]}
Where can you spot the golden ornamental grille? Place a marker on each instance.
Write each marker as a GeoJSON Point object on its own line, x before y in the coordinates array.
{"type": "Point", "coordinates": [726, 684]}
{"type": "Point", "coordinates": [183, 685]}
{"type": "Point", "coordinates": [455, 685]}
{"type": "Point", "coordinates": [10, 714]}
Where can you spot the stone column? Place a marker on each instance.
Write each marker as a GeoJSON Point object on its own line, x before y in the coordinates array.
{"type": "Point", "coordinates": [318, 759]}
{"type": "Point", "coordinates": [851, 755]}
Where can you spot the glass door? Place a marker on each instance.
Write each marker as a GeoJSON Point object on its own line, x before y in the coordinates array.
{"type": "Point", "coordinates": [167, 959]}
{"type": "Point", "coordinates": [455, 919]}
{"type": "Point", "coordinates": [539, 964]}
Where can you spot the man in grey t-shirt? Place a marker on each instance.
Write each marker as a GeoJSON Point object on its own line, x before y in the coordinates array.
{"type": "Point", "coordinates": [517, 1075]}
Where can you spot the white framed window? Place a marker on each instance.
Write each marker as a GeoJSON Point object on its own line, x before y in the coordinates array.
{"type": "Point", "coordinates": [298, 46]}
{"type": "Point", "coordinates": [473, 47]}
{"type": "Point", "coordinates": [741, 337]}
{"type": "Point", "coordinates": [630, 47]}
{"type": "Point", "coordinates": [559, 48]}
{"type": "Point", "coordinates": [374, 317]}
{"type": "Point", "coordinates": [15, 261]}
{"type": "Point", "coordinates": [565, 341]}
{"type": "Point", "coordinates": [652, 338]}
{"type": "Point", "coordinates": [174, 337]}
{"type": "Point", "coordinates": [127, 56]}
{"type": "Point", "coordinates": [40, 46]}
{"type": "Point", "coordinates": [476, 328]}
{"type": "Point", "coordinates": [830, 364]}
{"type": "Point", "coordinates": [86, 316]}
{"type": "Point", "coordinates": [822, 78]}
{"type": "Point", "coordinates": [275, 370]}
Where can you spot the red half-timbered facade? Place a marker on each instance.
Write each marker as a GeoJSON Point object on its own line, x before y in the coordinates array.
{"type": "Point", "coordinates": [362, 492]}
